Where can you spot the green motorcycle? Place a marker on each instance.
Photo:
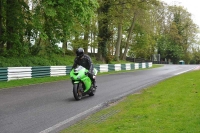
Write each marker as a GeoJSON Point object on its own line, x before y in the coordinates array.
{"type": "Point", "coordinates": [82, 84]}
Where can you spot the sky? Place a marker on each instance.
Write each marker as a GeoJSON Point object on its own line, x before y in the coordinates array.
{"type": "Point", "coordinates": [192, 6]}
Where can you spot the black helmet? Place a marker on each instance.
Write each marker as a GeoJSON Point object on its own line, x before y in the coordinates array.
{"type": "Point", "coordinates": [79, 52]}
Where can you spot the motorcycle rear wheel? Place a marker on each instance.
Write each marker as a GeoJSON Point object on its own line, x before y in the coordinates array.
{"type": "Point", "coordinates": [77, 92]}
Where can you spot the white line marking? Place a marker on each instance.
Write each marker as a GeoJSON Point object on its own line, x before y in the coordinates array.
{"type": "Point", "coordinates": [184, 71]}
{"type": "Point", "coordinates": [70, 119]}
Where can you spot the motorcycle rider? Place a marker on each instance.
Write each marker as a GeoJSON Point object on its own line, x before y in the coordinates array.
{"type": "Point", "coordinates": [85, 61]}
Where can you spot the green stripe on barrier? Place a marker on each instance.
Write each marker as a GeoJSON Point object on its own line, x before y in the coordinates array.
{"type": "Point", "coordinates": [3, 70]}
{"type": "Point", "coordinates": [111, 67]}
{"type": "Point", "coordinates": [140, 65]}
{"type": "Point", "coordinates": [3, 74]}
{"type": "Point", "coordinates": [147, 65]}
{"type": "Point", "coordinates": [40, 71]}
{"type": "Point", "coordinates": [3, 78]}
{"type": "Point", "coordinates": [132, 66]}
{"type": "Point", "coordinates": [123, 66]}
{"type": "Point", "coordinates": [97, 67]}
{"type": "Point", "coordinates": [68, 69]}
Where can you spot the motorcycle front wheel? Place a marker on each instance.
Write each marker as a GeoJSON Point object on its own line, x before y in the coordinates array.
{"type": "Point", "coordinates": [77, 92]}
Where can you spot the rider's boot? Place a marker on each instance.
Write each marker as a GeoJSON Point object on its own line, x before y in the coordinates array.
{"type": "Point", "coordinates": [94, 84]}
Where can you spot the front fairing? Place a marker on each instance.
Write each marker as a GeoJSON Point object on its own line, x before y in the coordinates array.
{"type": "Point", "coordinates": [79, 75]}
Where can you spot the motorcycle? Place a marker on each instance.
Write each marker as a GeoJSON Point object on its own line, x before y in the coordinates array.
{"type": "Point", "coordinates": [82, 84]}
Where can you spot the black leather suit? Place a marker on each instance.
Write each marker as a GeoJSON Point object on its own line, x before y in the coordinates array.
{"type": "Point", "coordinates": [86, 62]}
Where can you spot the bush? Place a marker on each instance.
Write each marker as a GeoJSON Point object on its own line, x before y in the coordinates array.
{"type": "Point", "coordinates": [54, 60]}
{"type": "Point", "coordinates": [109, 58]}
{"type": "Point", "coordinates": [69, 52]}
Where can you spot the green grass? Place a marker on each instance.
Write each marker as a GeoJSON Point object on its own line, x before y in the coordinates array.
{"type": "Point", "coordinates": [24, 82]}
{"type": "Point", "coordinates": [171, 106]}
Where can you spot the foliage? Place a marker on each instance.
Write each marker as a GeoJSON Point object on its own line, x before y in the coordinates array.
{"type": "Point", "coordinates": [169, 49]}
{"type": "Point", "coordinates": [177, 36]}
{"type": "Point", "coordinates": [195, 56]}
{"type": "Point", "coordinates": [46, 22]}
{"type": "Point", "coordinates": [36, 61]}
{"type": "Point", "coordinates": [114, 27]}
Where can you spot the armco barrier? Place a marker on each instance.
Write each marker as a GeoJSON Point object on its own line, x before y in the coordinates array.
{"type": "Point", "coordinates": [13, 73]}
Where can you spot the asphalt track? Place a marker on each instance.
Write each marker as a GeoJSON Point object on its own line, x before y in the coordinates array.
{"type": "Point", "coordinates": [50, 107]}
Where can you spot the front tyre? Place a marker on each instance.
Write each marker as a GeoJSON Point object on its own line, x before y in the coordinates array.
{"type": "Point", "coordinates": [77, 92]}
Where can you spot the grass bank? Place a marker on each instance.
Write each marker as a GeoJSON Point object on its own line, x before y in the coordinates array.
{"type": "Point", "coordinates": [171, 106]}
{"type": "Point", "coordinates": [54, 60]}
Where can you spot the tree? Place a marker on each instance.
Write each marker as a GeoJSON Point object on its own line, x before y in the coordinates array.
{"type": "Point", "coordinates": [17, 15]}
{"type": "Point", "coordinates": [103, 26]}
{"type": "Point", "coordinates": [141, 10]}
{"type": "Point", "coordinates": [179, 38]}
{"type": "Point", "coordinates": [2, 27]}
{"type": "Point", "coordinates": [47, 22]}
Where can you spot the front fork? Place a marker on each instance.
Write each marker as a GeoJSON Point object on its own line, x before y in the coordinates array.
{"type": "Point", "coordinates": [79, 85]}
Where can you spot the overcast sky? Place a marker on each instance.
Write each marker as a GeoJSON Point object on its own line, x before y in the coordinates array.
{"type": "Point", "coordinates": [192, 6]}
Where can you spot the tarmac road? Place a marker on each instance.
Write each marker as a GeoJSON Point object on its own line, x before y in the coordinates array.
{"type": "Point", "coordinates": [50, 107]}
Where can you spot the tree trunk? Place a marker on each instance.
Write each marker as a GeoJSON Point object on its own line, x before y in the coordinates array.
{"type": "Point", "coordinates": [91, 43]}
{"type": "Point", "coordinates": [86, 36]}
{"type": "Point", "coordinates": [119, 40]}
{"type": "Point", "coordinates": [94, 40]}
{"type": "Point", "coordinates": [1, 27]}
{"type": "Point", "coordinates": [76, 44]}
{"type": "Point", "coordinates": [129, 36]}
{"type": "Point", "coordinates": [104, 34]}
{"type": "Point", "coordinates": [119, 37]}
{"type": "Point", "coordinates": [64, 46]}
{"type": "Point", "coordinates": [10, 14]}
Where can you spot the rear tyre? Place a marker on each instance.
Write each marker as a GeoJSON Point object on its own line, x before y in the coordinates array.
{"type": "Point", "coordinates": [77, 92]}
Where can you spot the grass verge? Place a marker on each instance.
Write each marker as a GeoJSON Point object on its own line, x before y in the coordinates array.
{"type": "Point", "coordinates": [171, 106]}
{"type": "Point", "coordinates": [24, 82]}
